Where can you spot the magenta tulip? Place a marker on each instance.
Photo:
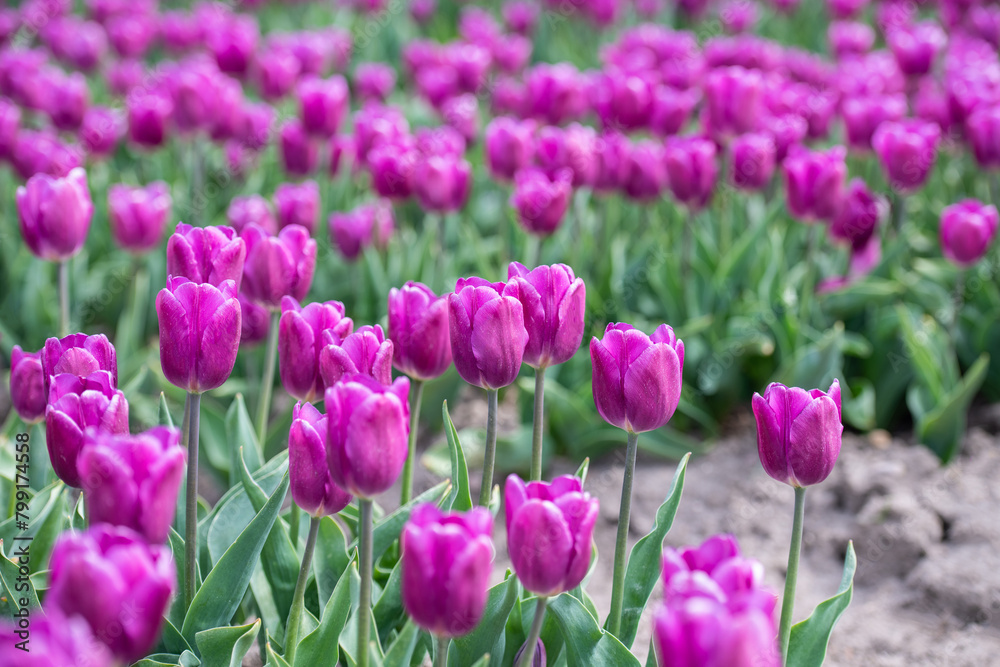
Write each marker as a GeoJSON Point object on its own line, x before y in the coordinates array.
{"type": "Point", "coordinates": [488, 336]}
{"type": "Point", "coordinates": [753, 160]}
{"type": "Point", "coordinates": [206, 254]}
{"type": "Point", "coordinates": [906, 150]}
{"type": "Point", "coordinates": [541, 202]}
{"type": "Point", "coordinates": [858, 216]}
{"type": "Point", "coordinates": [967, 230]}
{"type": "Point", "coordinates": [364, 352]}
{"type": "Point", "coordinates": [299, 152]}
{"type": "Point", "coordinates": [27, 387]}
{"type": "Point", "coordinates": [55, 214]}
{"type": "Point", "coordinates": [80, 355]}
{"type": "Point", "coordinates": [53, 640]}
{"type": "Point", "coordinates": [554, 301]}
{"type": "Point", "coordinates": [323, 104]}
{"type": "Point", "coordinates": [278, 266]}
{"type": "Point", "coordinates": [302, 335]}
{"type": "Point", "coordinates": [419, 331]}
{"type": "Point", "coordinates": [149, 115]}
{"type": "Point", "coordinates": [374, 81]}
{"type": "Point", "coordinates": [691, 170]}
{"type": "Point", "coordinates": [814, 181]}
{"type": "Point", "coordinates": [297, 204]}
{"type": "Point", "coordinates": [312, 487]}
{"type": "Point", "coordinates": [367, 225]}
{"type": "Point", "coordinates": [251, 210]}
{"type": "Point", "coordinates": [508, 146]}
{"type": "Point", "coordinates": [444, 183]}
{"type": "Point", "coordinates": [138, 215]}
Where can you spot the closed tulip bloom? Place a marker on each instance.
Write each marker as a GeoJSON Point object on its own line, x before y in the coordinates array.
{"type": "Point", "coordinates": [850, 38]}
{"type": "Point", "coordinates": [114, 580]}
{"type": "Point", "coordinates": [541, 203]}
{"type": "Point", "coordinates": [738, 16]}
{"type": "Point", "coordinates": [967, 229]}
{"type": "Point", "coordinates": [446, 560]}
{"type": "Point", "coordinates": [845, 9]}
{"type": "Point", "coordinates": [69, 103]}
{"type": "Point", "coordinates": [301, 339]}
{"type": "Point", "coordinates": [367, 225]}
{"type": "Point", "coordinates": [862, 115]}
{"type": "Point", "coordinates": [392, 165]}
{"type": "Point", "coordinates": [554, 92]}
{"type": "Point", "coordinates": [234, 42]}
{"type": "Point", "coordinates": [554, 301]}
{"type": "Point", "coordinates": [572, 148]}
{"type": "Point", "coordinates": [637, 378]}
{"type": "Point", "coordinates": [55, 640]}
{"type": "Point", "coordinates": [461, 113]}
{"type": "Point", "coordinates": [540, 659]}
{"type": "Point", "coordinates": [123, 76]}
{"type": "Point", "coordinates": [699, 630]}
{"type": "Point", "coordinates": [206, 254]}
{"type": "Point", "coordinates": [691, 170]}
{"type": "Point", "coordinates": [916, 46]}
{"type": "Point", "coordinates": [101, 131]}
{"type": "Point", "coordinates": [623, 101]}
{"type": "Point", "coordinates": [907, 151]}
{"type": "Point", "coordinates": [982, 130]}
{"type": "Point", "coordinates": [487, 333]}
{"type": "Point", "coordinates": [734, 99]}
{"type": "Point", "coordinates": [192, 86]}
{"type": "Point", "coordinates": [521, 17]}
{"type": "Point", "coordinates": [148, 116]}
{"type": "Point", "coordinates": [444, 183]}
{"type": "Point", "coordinates": [787, 130]}
{"type": "Point", "coordinates": [858, 216]}
{"type": "Point", "coordinates": [55, 214]}
{"type": "Point", "coordinates": [643, 173]}
{"type": "Point", "coordinates": [131, 33]}
{"type": "Point", "coordinates": [138, 215]}
{"type": "Point", "coordinates": [299, 153]}
{"type": "Point", "coordinates": [278, 266]}
{"type": "Point", "coordinates": [550, 527]}
{"type": "Point", "coordinates": [374, 81]}
{"type": "Point", "coordinates": [375, 124]}
{"type": "Point", "coordinates": [312, 487]}
{"type": "Point", "coordinates": [367, 434]}
{"type": "Point", "coordinates": [297, 204]}
{"type": "Point", "coordinates": [419, 331]}
{"type": "Point", "coordinates": [255, 321]}
{"type": "Point", "coordinates": [814, 181]}
{"type": "Point", "coordinates": [611, 160]}
{"type": "Point", "coordinates": [365, 352]}
{"type": "Point", "coordinates": [753, 157]}
{"type": "Point", "coordinates": [78, 354]}
{"type": "Point", "coordinates": [251, 210]}
{"type": "Point", "coordinates": [199, 332]}
{"type": "Point", "coordinates": [798, 432]}
{"type": "Point", "coordinates": [27, 387]}
{"type": "Point", "coordinates": [508, 146]}
{"type": "Point", "coordinates": [76, 404]}
{"type": "Point", "coordinates": [133, 481]}
{"type": "Point", "coordinates": [275, 71]}
{"type": "Point", "coordinates": [671, 110]}
{"type": "Point", "coordinates": [323, 104]}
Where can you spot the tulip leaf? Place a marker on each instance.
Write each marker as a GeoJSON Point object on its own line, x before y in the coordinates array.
{"type": "Point", "coordinates": [585, 642]}
{"type": "Point", "coordinates": [400, 652]}
{"type": "Point", "coordinates": [224, 646]}
{"type": "Point", "coordinates": [582, 471]}
{"type": "Point", "coordinates": [172, 639]}
{"type": "Point", "coordinates": [330, 559]}
{"type": "Point", "coordinates": [241, 434]}
{"type": "Point", "coordinates": [220, 595]}
{"type": "Point", "coordinates": [159, 660]}
{"type": "Point", "coordinates": [644, 561]}
{"type": "Point", "coordinates": [52, 523]}
{"type": "Point", "coordinates": [460, 498]}
{"type": "Point", "coordinates": [482, 662]}
{"type": "Point", "coordinates": [388, 609]}
{"type": "Point", "coordinates": [487, 638]}
{"type": "Point", "coordinates": [273, 659]}
{"type": "Point", "coordinates": [42, 504]}
{"type": "Point", "coordinates": [9, 573]}
{"type": "Point", "coordinates": [942, 427]}
{"type": "Point", "coordinates": [322, 645]}
{"type": "Point", "coordinates": [163, 416]}
{"type": "Point", "coordinates": [387, 530]}
{"type": "Point", "coordinates": [188, 659]}
{"type": "Point", "coordinates": [809, 639]}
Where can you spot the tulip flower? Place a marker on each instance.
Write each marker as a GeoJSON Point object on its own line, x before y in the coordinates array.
{"type": "Point", "coordinates": [364, 352]}
{"type": "Point", "coordinates": [234, 42]}
{"type": "Point", "coordinates": [982, 130]}
{"type": "Point", "coordinates": [278, 266]}
{"type": "Point", "coordinates": [55, 214]}
{"type": "Point", "coordinates": [508, 146]}
{"type": "Point", "coordinates": [131, 33]}
{"type": "Point", "coordinates": [206, 254]}
{"type": "Point", "coordinates": [303, 332]}
{"type": "Point", "coordinates": [299, 152]}
{"type": "Point", "coordinates": [312, 487]}
{"type": "Point", "coordinates": [193, 90]}
{"type": "Point", "coordinates": [572, 148]}
{"type": "Point", "coordinates": [297, 204]}
{"type": "Point", "coordinates": [815, 181]}
{"type": "Point", "coordinates": [541, 202]}
{"type": "Point", "coordinates": [461, 113]}
{"type": "Point", "coordinates": [323, 104]}
{"type": "Point", "coordinates": [133, 481]}
{"type": "Point", "coordinates": [69, 103]}
{"type": "Point", "coordinates": [54, 640]}
{"type": "Point", "coordinates": [967, 229]}
{"type": "Point", "coordinates": [367, 225]}
{"type": "Point", "coordinates": [850, 38]}
{"type": "Point", "coordinates": [444, 182]}
{"type": "Point", "coordinates": [116, 582]}
{"type": "Point", "coordinates": [392, 164]}
{"type": "Point", "coordinates": [374, 81]}
{"type": "Point", "coordinates": [75, 404]}
{"type": "Point", "coordinates": [733, 100]}
{"type": "Point", "coordinates": [623, 101]}
{"type": "Point", "coordinates": [862, 115]}
{"type": "Point", "coordinates": [753, 160]}
{"type": "Point", "coordinates": [275, 70]}
{"type": "Point", "coordinates": [520, 17]}
{"type": "Point", "coordinates": [845, 9]}
{"type": "Point", "coordinates": [148, 116]}
{"type": "Point", "coordinates": [554, 92]}
{"type": "Point", "coordinates": [138, 215]}
{"type": "Point", "coordinates": [375, 124]}
{"type": "Point", "coordinates": [80, 355]}
{"type": "Point", "coordinates": [906, 150]}
{"type": "Point", "coordinates": [858, 216]}
{"type": "Point", "coordinates": [691, 170]}
{"type": "Point", "coordinates": [101, 131]}
{"type": "Point", "coordinates": [255, 321]}
{"type": "Point", "coordinates": [27, 386]}
{"type": "Point", "coordinates": [787, 130]}
{"type": "Point", "coordinates": [916, 46]}
{"type": "Point", "coordinates": [446, 562]}
{"type": "Point", "coordinates": [671, 109]}
{"type": "Point", "coordinates": [612, 160]}
{"type": "Point", "coordinates": [251, 210]}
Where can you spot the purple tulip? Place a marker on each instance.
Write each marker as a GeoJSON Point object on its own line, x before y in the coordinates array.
{"type": "Point", "coordinates": [365, 352]}
{"type": "Point", "coordinates": [906, 150]}
{"type": "Point", "coordinates": [43, 153]}
{"type": "Point", "coordinates": [275, 71]}
{"type": "Point", "coordinates": [862, 115]}
{"type": "Point", "coordinates": [734, 99]}
{"type": "Point", "coordinates": [101, 131]}
{"type": "Point", "coordinates": [637, 378]}
{"type": "Point", "coordinates": [251, 210]}
{"type": "Point", "coordinates": [75, 404]}
{"type": "Point", "coordinates": [572, 148]}
{"type": "Point", "coordinates": [539, 660]}
{"type": "Point", "coordinates": [798, 432]}
{"type": "Point", "coordinates": [297, 204]}
{"type": "Point", "coordinates": [982, 130]}
{"type": "Point", "coordinates": [234, 42]}
{"type": "Point", "coordinates": [368, 434]}
{"type": "Point", "coordinates": [255, 321]}
{"type": "Point", "coordinates": [133, 480]}
{"type": "Point", "coordinates": [520, 16]}
{"type": "Point", "coordinates": [611, 161]}
{"type": "Point", "coordinates": [643, 173]}
{"type": "Point", "coordinates": [555, 92]}
{"type": "Point", "coordinates": [27, 386]}
{"type": "Point", "coordinates": [753, 157]}
{"type": "Point", "coordinates": [135, 580]}
{"type": "Point", "coordinates": [550, 527]}
{"type": "Point", "coordinates": [79, 44]}
{"type": "Point", "coordinates": [375, 124]}
{"type": "Point", "coordinates": [302, 332]}
{"type": "Point", "coordinates": [622, 100]}
{"type": "Point", "coordinates": [138, 215]}
{"type": "Point", "coordinates": [814, 181]}
{"type": "Point", "coordinates": [446, 560]}
{"type": "Point", "coordinates": [323, 104]}
{"type": "Point", "coordinates": [967, 229]}
{"type": "Point", "coordinates": [487, 330]}
{"type": "Point", "coordinates": [691, 170]}
{"type": "Point", "coordinates": [706, 557]}
{"type": "Point", "coordinates": [738, 16]}
{"type": "Point", "coordinates": [444, 183]}
{"type": "Point", "coordinates": [367, 225]}
{"type": "Point", "coordinates": [787, 130]}
{"type": "Point", "coordinates": [671, 109]}
{"type": "Point", "coordinates": [55, 214]}
{"type": "Point", "coordinates": [200, 328]}
{"type": "Point", "coordinates": [541, 203]}
{"type": "Point", "coordinates": [374, 81]}
{"type": "Point", "coordinates": [299, 153]}
{"type": "Point", "coordinates": [69, 102]}
{"type": "Point", "coordinates": [180, 31]}
{"type": "Point", "coordinates": [131, 33]}
{"type": "Point", "coordinates": [916, 46]}
{"type": "Point", "coordinates": [149, 113]}
{"type": "Point", "coordinates": [461, 113]}
{"type": "Point", "coordinates": [342, 150]}
{"type": "Point", "coordinates": [312, 487]}
{"type": "Point", "coordinates": [123, 76]}
{"type": "Point", "coordinates": [858, 216]}
{"type": "Point", "coordinates": [850, 38]}
{"type": "Point", "coordinates": [255, 128]}
{"type": "Point", "coordinates": [278, 266]}
{"type": "Point", "coordinates": [508, 146]}
{"type": "Point", "coordinates": [206, 254]}
{"type": "Point", "coordinates": [553, 300]}
{"type": "Point", "coordinates": [845, 9]}
{"type": "Point", "coordinates": [52, 641]}
{"type": "Point", "coordinates": [419, 331]}
{"type": "Point", "coordinates": [80, 355]}
{"type": "Point", "coordinates": [392, 164]}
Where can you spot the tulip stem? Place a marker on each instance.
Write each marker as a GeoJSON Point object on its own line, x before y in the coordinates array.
{"type": "Point", "coordinates": [191, 504]}
{"type": "Point", "coordinates": [537, 424]}
{"type": "Point", "coordinates": [64, 298]}
{"type": "Point", "coordinates": [299, 597]}
{"type": "Point", "coordinates": [809, 281]}
{"type": "Point", "coordinates": [294, 520]}
{"type": "Point", "coordinates": [957, 301]}
{"type": "Point", "coordinates": [788, 601]}
{"type": "Point", "coordinates": [621, 542]}
{"type": "Point", "coordinates": [486, 490]}
{"type": "Point", "coordinates": [418, 395]}
{"type": "Point", "coordinates": [441, 655]}
{"type": "Point", "coordinates": [536, 631]}
{"type": "Point", "coordinates": [898, 212]}
{"type": "Point", "coordinates": [264, 406]}
{"type": "Point", "coordinates": [365, 591]}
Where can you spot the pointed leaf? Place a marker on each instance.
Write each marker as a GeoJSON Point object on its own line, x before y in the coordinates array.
{"type": "Point", "coordinates": [942, 428]}
{"type": "Point", "coordinates": [322, 645]}
{"type": "Point", "coordinates": [488, 637]}
{"type": "Point", "coordinates": [586, 643]}
{"type": "Point", "coordinates": [460, 498]}
{"type": "Point", "coordinates": [164, 417]}
{"type": "Point", "coordinates": [226, 645]}
{"type": "Point", "coordinates": [809, 639]}
{"type": "Point", "coordinates": [400, 652]}
{"type": "Point", "coordinates": [331, 559]}
{"type": "Point", "coordinates": [241, 433]}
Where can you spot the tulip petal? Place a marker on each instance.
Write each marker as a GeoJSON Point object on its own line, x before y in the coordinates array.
{"type": "Point", "coordinates": [498, 340]}
{"type": "Point", "coordinates": [609, 395]}
{"type": "Point", "coordinates": [540, 547]}
{"type": "Point", "coordinates": [770, 439]}
{"type": "Point", "coordinates": [816, 438]}
{"type": "Point", "coordinates": [374, 433]}
{"type": "Point", "coordinates": [652, 386]}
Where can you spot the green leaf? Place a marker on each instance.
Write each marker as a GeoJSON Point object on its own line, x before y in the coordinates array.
{"type": "Point", "coordinates": [163, 417]}
{"type": "Point", "coordinates": [322, 645]}
{"type": "Point", "coordinates": [460, 498]}
{"type": "Point", "coordinates": [172, 638]}
{"type": "Point", "coordinates": [487, 638]}
{"type": "Point", "coordinates": [586, 643]}
{"type": "Point", "coordinates": [388, 609]}
{"type": "Point", "coordinates": [219, 597]}
{"type": "Point", "coordinates": [400, 652]}
{"type": "Point", "coordinates": [331, 558]}
{"type": "Point", "coordinates": [582, 471]}
{"type": "Point", "coordinates": [809, 639]}
{"type": "Point", "coordinates": [40, 506]}
{"type": "Point", "coordinates": [942, 428]}
{"type": "Point", "coordinates": [53, 520]}
{"type": "Point", "coordinates": [159, 660]}
{"type": "Point", "coordinates": [273, 659]}
{"type": "Point", "coordinates": [226, 645]}
{"type": "Point", "coordinates": [9, 574]}
{"type": "Point", "coordinates": [387, 531]}
{"type": "Point", "coordinates": [644, 561]}
{"type": "Point", "coordinates": [241, 434]}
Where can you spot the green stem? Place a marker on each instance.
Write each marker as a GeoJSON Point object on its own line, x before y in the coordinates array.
{"type": "Point", "coordinates": [441, 655]}
{"type": "Point", "coordinates": [294, 520]}
{"type": "Point", "coordinates": [264, 406]}
{"type": "Point", "coordinates": [536, 632]}
{"type": "Point", "coordinates": [191, 504]}
{"type": "Point", "coordinates": [64, 298]}
{"type": "Point", "coordinates": [418, 395]}
{"type": "Point", "coordinates": [486, 490]}
{"type": "Point", "coordinates": [788, 601]}
{"type": "Point", "coordinates": [365, 591]}
{"type": "Point", "coordinates": [686, 248]}
{"type": "Point", "coordinates": [537, 425]}
{"type": "Point", "coordinates": [299, 597]}
{"type": "Point", "coordinates": [898, 212]}
{"type": "Point", "coordinates": [957, 300]}
{"type": "Point", "coordinates": [621, 543]}
{"type": "Point", "coordinates": [809, 280]}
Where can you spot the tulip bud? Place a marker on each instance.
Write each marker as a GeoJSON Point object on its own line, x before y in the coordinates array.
{"type": "Point", "coordinates": [116, 582]}
{"type": "Point", "coordinates": [123, 76]}
{"type": "Point", "coordinates": [368, 433]}
{"type": "Point", "coordinates": [637, 378]}
{"type": "Point", "coordinates": [55, 640]}
{"type": "Point", "coordinates": [858, 216]}
{"type": "Point", "coordinates": [611, 162]}
{"type": "Point", "coordinates": [364, 352]}
{"type": "Point", "coordinates": [554, 92]}
{"type": "Point", "coordinates": [540, 659]}
{"type": "Point", "coordinates": [133, 481]}
{"type": "Point", "coordinates": [623, 101]}
{"type": "Point", "coordinates": [78, 354]}
{"type": "Point", "coordinates": [367, 225]}
{"type": "Point", "coordinates": [419, 331]}
{"type": "Point", "coordinates": [798, 432]}
{"type": "Point", "coordinates": [275, 70]}
{"type": "Point", "coordinates": [138, 215]}
{"type": "Point", "coordinates": [278, 266]}
{"type": "Point", "coordinates": [691, 170]}
{"type": "Point", "coordinates": [234, 42]}
{"type": "Point", "coordinates": [982, 130]}
{"type": "Point", "coordinates": [572, 148]}
{"type": "Point", "coordinates": [906, 150]}
{"type": "Point", "coordinates": [101, 131]}
{"type": "Point", "coordinates": [323, 104]}
{"type": "Point", "coordinates": [200, 328]}
{"type": "Point", "coordinates": [520, 17]}
{"type": "Point", "coordinates": [508, 146]}
{"type": "Point", "coordinates": [312, 487]}
{"type": "Point", "coordinates": [374, 81]}
{"type": "Point", "coordinates": [301, 340]}
{"type": "Point", "coordinates": [392, 164]}
{"type": "Point", "coordinates": [733, 100]}
{"type": "Point", "coordinates": [55, 214]}
{"type": "Point", "coordinates": [299, 152]}
{"type": "Point", "coordinates": [967, 229]}
{"type": "Point", "coordinates": [148, 115]}
{"type": "Point", "coordinates": [916, 46]}
{"type": "Point", "coordinates": [850, 38]}
{"type": "Point", "coordinates": [488, 336]}
{"type": "Point", "coordinates": [193, 88]}
{"type": "Point", "coordinates": [443, 185]}
{"type": "Point", "coordinates": [550, 527]}
{"type": "Point", "coordinates": [251, 210]}
{"type": "Point", "coordinates": [255, 321]}
{"type": "Point", "coordinates": [69, 102]}
{"type": "Point", "coordinates": [446, 562]}
{"type": "Point", "coordinates": [753, 158]}
{"type": "Point", "coordinates": [787, 130]}
{"type": "Point", "coordinates": [76, 403]}
{"type": "Point", "coordinates": [206, 254]}
{"type": "Point", "coordinates": [375, 124]}
{"type": "Point", "coordinates": [671, 109]}
{"type": "Point", "coordinates": [297, 204]}
{"type": "Point", "coordinates": [27, 387]}
{"type": "Point", "coordinates": [131, 33]}
{"type": "Point", "coordinates": [553, 300]}
{"type": "Point", "coordinates": [541, 203]}
{"type": "Point", "coordinates": [814, 181]}
{"type": "Point", "coordinates": [461, 113]}
{"type": "Point", "coordinates": [862, 115]}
